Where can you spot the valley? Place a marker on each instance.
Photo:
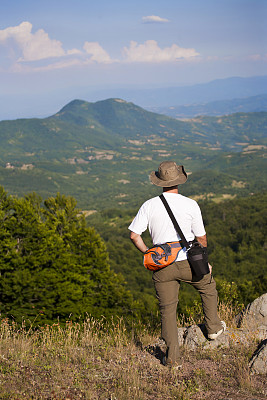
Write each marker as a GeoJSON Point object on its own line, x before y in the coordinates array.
{"type": "Point", "coordinates": [101, 153]}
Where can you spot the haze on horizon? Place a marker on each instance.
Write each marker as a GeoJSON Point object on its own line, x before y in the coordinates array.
{"type": "Point", "coordinates": [52, 52]}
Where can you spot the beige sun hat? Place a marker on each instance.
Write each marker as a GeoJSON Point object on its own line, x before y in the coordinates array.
{"type": "Point", "coordinates": [168, 174]}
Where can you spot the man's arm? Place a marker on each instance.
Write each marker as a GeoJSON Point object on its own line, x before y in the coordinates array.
{"type": "Point", "coordinates": [202, 240]}
{"type": "Point", "coordinates": [138, 242]}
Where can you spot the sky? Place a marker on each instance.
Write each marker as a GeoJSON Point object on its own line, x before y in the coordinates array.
{"type": "Point", "coordinates": [52, 51]}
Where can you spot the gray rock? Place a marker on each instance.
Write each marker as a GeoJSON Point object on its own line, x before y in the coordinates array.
{"type": "Point", "coordinates": [261, 332]}
{"type": "Point", "coordinates": [258, 363]}
{"type": "Point", "coordinates": [222, 341]}
{"type": "Point", "coordinates": [255, 314]}
{"type": "Point", "coordinates": [194, 337]}
{"type": "Point", "coordinates": [253, 322]}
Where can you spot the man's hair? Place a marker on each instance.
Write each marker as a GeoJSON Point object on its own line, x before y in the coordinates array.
{"type": "Point", "coordinates": [170, 188]}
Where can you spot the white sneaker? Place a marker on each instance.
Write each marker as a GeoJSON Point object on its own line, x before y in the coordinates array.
{"type": "Point", "coordinates": [213, 336]}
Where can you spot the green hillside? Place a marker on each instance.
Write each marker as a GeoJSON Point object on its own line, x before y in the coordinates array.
{"type": "Point", "coordinates": [101, 153]}
{"type": "Point", "coordinates": [119, 117]}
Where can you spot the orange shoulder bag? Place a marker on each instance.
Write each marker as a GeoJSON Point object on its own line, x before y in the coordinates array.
{"type": "Point", "coordinates": [161, 255]}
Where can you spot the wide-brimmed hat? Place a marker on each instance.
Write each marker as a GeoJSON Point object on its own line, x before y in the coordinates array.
{"type": "Point", "coordinates": [168, 174]}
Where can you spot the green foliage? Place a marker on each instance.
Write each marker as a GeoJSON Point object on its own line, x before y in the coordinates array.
{"type": "Point", "coordinates": [54, 266]}
{"type": "Point", "coordinates": [125, 259]}
{"type": "Point", "coordinates": [236, 232]}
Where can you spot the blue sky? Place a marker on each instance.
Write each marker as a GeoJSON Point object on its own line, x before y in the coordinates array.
{"type": "Point", "coordinates": [51, 51]}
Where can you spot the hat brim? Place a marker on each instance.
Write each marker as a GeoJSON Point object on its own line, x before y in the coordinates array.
{"type": "Point", "coordinates": [160, 182]}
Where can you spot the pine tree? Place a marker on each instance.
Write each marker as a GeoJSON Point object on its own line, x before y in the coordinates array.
{"type": "Point", "coordinates": [53, 266]}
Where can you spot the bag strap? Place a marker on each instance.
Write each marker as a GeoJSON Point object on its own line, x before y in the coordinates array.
{"type": "Point", "coordinates": [175, 223]}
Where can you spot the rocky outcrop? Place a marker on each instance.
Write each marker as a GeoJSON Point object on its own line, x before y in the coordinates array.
{"type": "Point", "coordinates": [255, 314]}
{"type": "Point", "coordinates": [252, 325]}
{"type": "Point", "coordinates": [258, 363]}
{"type": "Point", "coordinates": [195, 336]}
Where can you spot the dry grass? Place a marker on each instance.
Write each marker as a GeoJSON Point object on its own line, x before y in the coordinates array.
{"type": "Point", "coordinates": [100, 360]}
{"type": "Point", "coordinates": [227, 312]}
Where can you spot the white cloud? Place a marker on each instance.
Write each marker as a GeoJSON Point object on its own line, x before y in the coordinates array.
{"type": "Point", "coordinates": [153, 19]}
{"type": "Point", "coordinates": [33, 46]}
{"type": "Point", "coordinates": [151, 52]}
{"type": "Point", "coordinates": [32, 51]}
{"type": "Point", "coordinates": [74, 52]}
{"type": "Point", "coordinates": [69, 63]}
{"type": "Point", "coordinates": [258, 57]}
{"type": "Point", "coordinates": [97, 52]}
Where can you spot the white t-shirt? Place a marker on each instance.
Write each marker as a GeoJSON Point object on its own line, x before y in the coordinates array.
{"type": "Point", "coordinates": [153, 215]}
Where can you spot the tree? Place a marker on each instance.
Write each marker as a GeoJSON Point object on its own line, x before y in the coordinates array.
{"type": "Point", "coordinates": [53, 266]}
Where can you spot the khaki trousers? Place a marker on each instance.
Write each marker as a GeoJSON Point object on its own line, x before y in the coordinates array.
{"type": "Point", "coordinates": [167, 284]}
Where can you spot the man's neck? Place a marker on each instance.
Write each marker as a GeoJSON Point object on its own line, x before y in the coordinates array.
{"type": "Point", "coordinates": [173, 189]}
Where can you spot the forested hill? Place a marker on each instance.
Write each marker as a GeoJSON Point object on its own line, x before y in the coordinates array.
{"type": "Point", "coordinates": [119, 117]}
{"type": "Point", "coordinates": [112, 144]}
{"type": "Point", "coordinates": [111, 123]}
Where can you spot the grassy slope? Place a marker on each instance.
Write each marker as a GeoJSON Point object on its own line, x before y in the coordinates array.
{"type": "Point", "coordinates": [92, 360]}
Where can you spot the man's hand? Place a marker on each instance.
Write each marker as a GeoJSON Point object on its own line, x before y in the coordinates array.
{"type": "Point", "coordinates": [202, 240]}
{"type": "Point", "coordinates": [210, 267]}
{"type": "Point", "coordinates": [138, 242]}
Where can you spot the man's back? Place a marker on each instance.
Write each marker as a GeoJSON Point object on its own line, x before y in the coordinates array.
{"type": "Point", "coordinates": [153, 215]}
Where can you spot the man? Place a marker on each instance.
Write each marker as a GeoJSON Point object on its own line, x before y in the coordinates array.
{"type": "Point", "coordinates": [153, 215]}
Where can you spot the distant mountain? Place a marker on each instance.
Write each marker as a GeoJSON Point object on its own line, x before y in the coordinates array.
{"type": "Point", "coordinates": [219, 89]}
{"type": "Point", "coordinates": [118, 118]}
{"type": "Point", "coordinates": [215, 108]}
{"type": "Point", "coordinates": [37, 104]}
{"type": "Point", "coordinates": [111, 123]}
{"type": "Point", "coordinates": [101, 153]}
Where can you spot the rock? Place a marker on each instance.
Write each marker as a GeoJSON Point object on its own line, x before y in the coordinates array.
{"type": "Point", "coordinates": [194, 337]}
{"type": "Point", "coordinates": [181, 335]}
{"type": "Point", "coordinates": [258, 363]}
{"type": "Point", "coordinates": [261, 332]}
{"type": "Point", "coordinates": [222, 341]}
{"type": "Point", "coordinates": [241, 336]}
{"type": "Point", "coordinates": [157, 349]}
{"type": "Point", "coordinates": [253, 322]}
{"type": "Point", "coordinates": [255, 314]}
